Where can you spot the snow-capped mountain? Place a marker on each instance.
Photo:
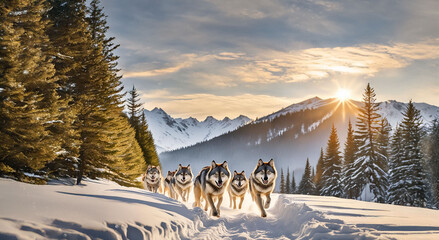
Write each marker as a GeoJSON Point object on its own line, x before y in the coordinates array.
{"type": "Point", "coordinates": [290, 135]}
{"type": "Point", "coordinates": [172, 133]}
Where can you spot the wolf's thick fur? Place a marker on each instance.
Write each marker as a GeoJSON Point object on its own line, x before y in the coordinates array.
{"type": "Point", "coordinates": [152, 179]}
{"type": "Point", "coordinates": [182, 182]}
{"type": "Point", "coordinates": [168, 189]}
{"type": "Point", "coordinates": [237, 188]}
{"type": "Point", "coordinates": [262, 181]}
{"type": "Point", "coordinates": [211, 184]}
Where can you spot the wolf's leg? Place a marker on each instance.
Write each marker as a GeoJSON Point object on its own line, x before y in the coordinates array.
{"type": "Point", "coordinates": [218, 205]}
{"type": "Point", "coordinates": [267, 201]}
{"type": "Point", "coordinates": [183, 195]}
{"type": "Point", "coordinates": [259, 203]}
{"type": "Point", "coordinates": [234, 202]}
{"type": "Point", "coordinates": [240, 203]}
{"type": "Point", "coordinates": [188, 192]}
{"type": "Point", "coordinates": [197, 195]}
{"type": "Point", "coordinates": [230, 197]}
{"type": "Point", "coordinates": [212, 205]}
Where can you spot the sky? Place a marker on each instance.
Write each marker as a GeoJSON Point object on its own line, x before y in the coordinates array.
{"type": "Point", "coordinates": [216, 58]}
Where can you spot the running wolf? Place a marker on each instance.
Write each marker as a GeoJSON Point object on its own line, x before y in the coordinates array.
{"type": "Point", "coordinates": [152, 179]}
{"type": "Point", "coordinates": [168, 189]}
{"type": "Point", "coordinates": [182, 182]}
{"type": "Point", "coordinates": [237, 188]}
{"type": "Point", "coordinates": [211, 184]}
{"type": "Point", "coordinates": [262, 181]}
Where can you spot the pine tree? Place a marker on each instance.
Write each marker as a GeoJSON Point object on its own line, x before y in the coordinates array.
{"type": "Point", "coordinates": [433, 162]}
{"type": "Point", "coordinates": [331, 177]}
{"type": "Point", "coordinates": [319, 171]}
{"type": "Point", "coordinates": [306, 185]}
{"type": "Point", "coordinates": [350, 187]}
{"type": "Point", "coordinates": [293, 184]}
{"type": "Point", "coordinates": [133, 106]}
{"type": "Point", "coordinates": [408, 180]}
{"type": "Point", "coordinates": [383, 140]}
{"type": "Point", "coordinates": [87, 75]}
{"type": "Point", "coordinates": [282, 181]}
{"type": "Point", "coordinates": [368, 165]}
{"type": "Point", "coordinates": [287, 184]}
{"type": "Point", "coordinates": [396, 173]}
{"type": "Point", "coordinates": [28, 98]}
{"type": "Point", "coordinates": [146, 142]}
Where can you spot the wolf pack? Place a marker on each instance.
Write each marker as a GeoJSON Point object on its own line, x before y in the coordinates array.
{"type": "Point", "coordinates": [211, 184]}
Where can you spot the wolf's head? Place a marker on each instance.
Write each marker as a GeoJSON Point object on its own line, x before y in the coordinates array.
{"type": "Point", "coordinates": [184, 174]}
{"type": "Point", "coordinates": [239, 180]}
{"type": "Point", "coordinates": [218, 174]}
{"type": "Point", "coordinates": [170, 175]}
{"type": "Point", "coordinates": [265, 172]}
{"type": "Point", "coordinates": [153, 174]}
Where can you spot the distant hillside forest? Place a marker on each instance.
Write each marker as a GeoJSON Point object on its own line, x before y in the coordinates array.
{"type": "Point", "coordinates": [61, 98]}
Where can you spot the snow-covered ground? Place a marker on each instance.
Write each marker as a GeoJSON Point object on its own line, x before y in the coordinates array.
{"type": "Point", "coordinates": [105, 210]}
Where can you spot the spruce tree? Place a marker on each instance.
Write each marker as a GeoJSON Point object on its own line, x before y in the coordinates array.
{"type": "Point", "coordinates": [319, 171]}
{"type": "Point", "coordinates": [369, 170]}
{"type": "Point", "coordinates": [146, 142]}
{"type": "Point", "coordinates": [134, 106]}
{"type": "Point", "coordinates": [28, 98]}
{"type": "Point", "coordinates": [351, 187]}
{"type": "Point", "coordinates": [293, 184]}
{"type": "Point", "coordinates": [396, 173]}
{"type": "Point", "coordinates": [287, 184]}
{"type": "Point", "coordinates": [282, 181]}
{"type": "Point", "coordinates": [306, 185]}
{"type": "Point", "coordinates": [331, 177]}
{"type": "Point", "coordinates": [433, 162]}
{"type": "Point", "coordinates": [408, 180]}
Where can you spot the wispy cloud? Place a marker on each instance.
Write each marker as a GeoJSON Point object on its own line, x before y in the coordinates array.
{"type": "Point", "coordinates": [319, 63]}
{"type": "Point", "coordinates": [201, 105]}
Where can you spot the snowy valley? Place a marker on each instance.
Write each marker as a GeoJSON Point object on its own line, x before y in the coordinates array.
{"type": "Point", "coordinates": [290, 135]}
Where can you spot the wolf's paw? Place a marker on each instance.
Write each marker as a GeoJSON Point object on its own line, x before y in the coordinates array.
{"type": "Point", "coordinates": [215, 214]}
{"type": "Point", "coordinates": [263, 214]}
{"type": "Point", "coordinates": [266, 205]}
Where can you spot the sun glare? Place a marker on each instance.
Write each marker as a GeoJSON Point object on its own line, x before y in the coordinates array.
{"type": "Point", "coordinates": [343, 94]}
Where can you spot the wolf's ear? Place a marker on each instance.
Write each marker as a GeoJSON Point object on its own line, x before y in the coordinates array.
{"type": "Point", "coordinates": [225, 164]}
{"type": "Point", "coordinates": [213, 164]}
{"type": "Point", "coordinates": [260, 162]}
{"type": "Point", "coordinates": [271, 162]}
{"type": "Point", "coordinates": [235, 172]}
{"type": "Point", "coordinates": [158, 167]}
{"type": "Point", "coordinates": [169, 172]}
{"type": "Point", "coordinates": [149, 166]}
{"type": "Point", "coordinates": [179, 167]}
{"type": "Point", "coordinates": [243, 172]}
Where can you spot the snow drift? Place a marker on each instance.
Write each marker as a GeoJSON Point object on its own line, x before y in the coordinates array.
{"type": "Point", "coordinates": [105, 210]}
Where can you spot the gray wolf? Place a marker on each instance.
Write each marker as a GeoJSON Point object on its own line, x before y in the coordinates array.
{"type": "Point", "coordinates": [211, 184]}
{"type": "Point", "coordinates": [262, 181]}
{"type": "Point", "coordinates": [237, 188]}
{"type": "Point", "coordinates": [182, 182]}
{"type": "Point", "coordinates": [152, 179]}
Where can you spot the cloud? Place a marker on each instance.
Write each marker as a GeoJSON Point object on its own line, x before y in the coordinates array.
{"type": "Point", "coordinates": [202, 105]}
{"type": "Point", "coordinates": [183, 61]}
{"type": "Point", "coordinates": [318, 63]}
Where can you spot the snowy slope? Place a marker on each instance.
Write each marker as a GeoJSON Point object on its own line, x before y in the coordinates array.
{"type": "Point", "coordinates": [311, 103]}
{"type": "Point", "coordinates": [105, 210]}
{"type": "Point", "coordinates": [393, 110]}
{"type": "Point", "coordinates": [172, 133]}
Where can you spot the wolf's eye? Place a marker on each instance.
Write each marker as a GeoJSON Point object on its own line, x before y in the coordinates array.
{"type": "Point", "coordinates": [222, 174]}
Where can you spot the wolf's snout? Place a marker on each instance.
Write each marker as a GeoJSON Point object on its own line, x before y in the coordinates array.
{"type": "Point", "coordinates": [265, 178]}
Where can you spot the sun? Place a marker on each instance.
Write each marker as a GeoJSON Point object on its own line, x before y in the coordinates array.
{"type": "Point", "coordinates": [343, 94]}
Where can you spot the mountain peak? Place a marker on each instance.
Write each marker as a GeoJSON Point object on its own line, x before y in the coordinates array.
{"type": "Point", "coordinates": [209, 119]}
